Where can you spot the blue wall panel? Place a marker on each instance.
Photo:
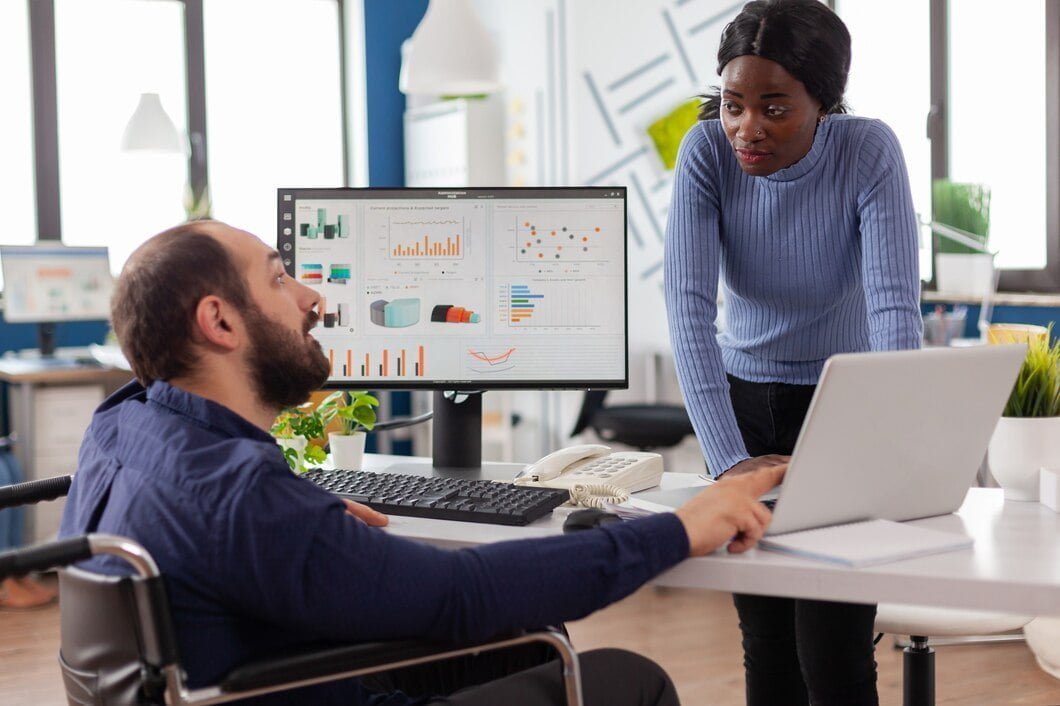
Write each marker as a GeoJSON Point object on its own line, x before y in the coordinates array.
{"type": "Point", "coordinates": [14, 337]}
{"type": "Point", "coordinates": [1038, 315]}
{"type": "Point", "coordinates": [387, 23]}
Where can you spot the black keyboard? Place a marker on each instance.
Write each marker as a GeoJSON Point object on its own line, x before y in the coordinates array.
{"type": "Point", "coordinates": [442, 498]}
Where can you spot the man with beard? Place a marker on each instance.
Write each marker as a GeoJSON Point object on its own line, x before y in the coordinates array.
{"type": "Point", "coordinates": [259, 561]}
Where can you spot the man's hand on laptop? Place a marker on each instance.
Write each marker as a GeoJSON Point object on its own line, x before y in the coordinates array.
{"type": "Point", "coordinates": [753, 464]}
{"type": "Point", "coordinates": [729, 510]}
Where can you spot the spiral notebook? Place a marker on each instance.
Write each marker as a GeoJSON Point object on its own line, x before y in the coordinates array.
{"type": "Point", "coordinates": [866, 543]}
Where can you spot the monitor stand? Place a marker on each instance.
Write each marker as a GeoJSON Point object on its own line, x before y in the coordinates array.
{"type": "Point", "coordinates": [457, 433]}
{"type": "Point", "coordinates": [457, 442]}
{"type": "Point", "coordinates": [46, 340]}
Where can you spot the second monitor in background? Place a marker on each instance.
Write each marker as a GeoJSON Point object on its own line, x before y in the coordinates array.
{"type": "Point", "coordinates": [464, 290]}
{"type": "Point", "coordinates": [50, 284]}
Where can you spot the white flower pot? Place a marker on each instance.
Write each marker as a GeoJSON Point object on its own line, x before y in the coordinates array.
{"type": "Point", "coordinates": [298, 443]}
{"type": "Point", "coordinates": [1019, 448]}
{"type": "Point", "coordinates": [964, 274]}
{"type": "Point", "coordinates": [347, 450]}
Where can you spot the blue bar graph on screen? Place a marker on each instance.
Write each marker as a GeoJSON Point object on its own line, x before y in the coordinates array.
{"type": "Point", "coordinates": [521, 305]}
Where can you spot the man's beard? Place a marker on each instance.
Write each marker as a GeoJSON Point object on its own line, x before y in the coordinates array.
{"type": "Point", "coordinates": [285, 366]}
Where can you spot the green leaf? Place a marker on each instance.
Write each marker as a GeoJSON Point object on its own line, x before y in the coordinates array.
{"type": "Point", "coordinates": [314, 454]}
{"type": "Point", "coordinates": [1036, 392]}
{"type": "Point", "coordinates": [291, 457]}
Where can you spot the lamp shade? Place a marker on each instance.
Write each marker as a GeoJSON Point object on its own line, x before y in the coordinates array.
{"type": "Point", "coordinates": [150, 129]}
{"type": "Point", "coordinates": [449, 54]}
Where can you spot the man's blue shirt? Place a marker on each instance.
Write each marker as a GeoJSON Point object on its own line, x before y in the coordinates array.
{"type": "Point", "coordinates": [259, 561]}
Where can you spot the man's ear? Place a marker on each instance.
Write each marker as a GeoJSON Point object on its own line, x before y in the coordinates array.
{"type": "Point", "coordinates": [216, 323]}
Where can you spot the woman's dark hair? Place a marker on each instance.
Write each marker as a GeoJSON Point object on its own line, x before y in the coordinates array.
{"type": "Point", "coordinates": [154, 302]}
{"type": "Point", "coordinates": [803, 36]}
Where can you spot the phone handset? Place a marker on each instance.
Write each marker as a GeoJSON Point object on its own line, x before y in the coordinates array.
{"type": "Point", "coordinates": [593, 475]}
{"type": "Point", "coordinates": [556, 462]}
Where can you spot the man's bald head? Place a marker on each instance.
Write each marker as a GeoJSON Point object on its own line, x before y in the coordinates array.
{"type": "Point", "coordinates": [159, 290]}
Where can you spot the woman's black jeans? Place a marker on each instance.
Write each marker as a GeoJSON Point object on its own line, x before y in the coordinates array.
{"type": "Point", "coordinates": [797, 651]}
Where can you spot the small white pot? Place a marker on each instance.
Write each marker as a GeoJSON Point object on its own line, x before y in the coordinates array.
{"type": "Point", "coordinates": [964, 274]}
{"type": "Point", "coordinates": [1019, 448]}
{"type": "Point", "coordinates": [298, 443]}
{"type": "Point", "coordinates": [347, 450]}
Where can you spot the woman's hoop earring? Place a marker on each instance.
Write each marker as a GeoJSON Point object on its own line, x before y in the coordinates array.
{"type": "Point", "coordinates": [821, 119]}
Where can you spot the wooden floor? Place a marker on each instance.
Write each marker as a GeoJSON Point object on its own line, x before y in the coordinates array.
{"type": "Point", "coordinates": [693, 634]}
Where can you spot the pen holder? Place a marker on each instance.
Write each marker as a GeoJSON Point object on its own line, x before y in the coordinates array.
{"type": "Point", "coordinates": [942, 327]}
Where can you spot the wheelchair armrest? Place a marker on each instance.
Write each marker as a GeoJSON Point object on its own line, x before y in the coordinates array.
{"type": "Point", "coordinates": [328, 661]}
{"type": "Point", "coordinates": [42, 557]}
{"type": "Point", "coordinates": [34, 491]}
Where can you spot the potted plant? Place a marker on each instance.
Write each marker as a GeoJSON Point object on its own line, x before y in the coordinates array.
{"type": "Point", "coordinates": [294, 430]}
{"type": "Point", "coordinates": [356, 415]}
{"type": "Point", "coordinates": [1027, 436]}
{"type": "Point", "coordinates": [962, 267]}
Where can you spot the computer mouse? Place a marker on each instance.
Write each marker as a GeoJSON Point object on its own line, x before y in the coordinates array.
{"type": "Point", "coordinates": [588, 519]}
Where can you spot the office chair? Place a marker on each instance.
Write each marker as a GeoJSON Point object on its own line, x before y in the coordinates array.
{"type": "Point", "coordinates": [953, 625]}
{"type": "Point", "coordinates": [118, 643]}
{"type": "Point", "coordinates": [643, 426]}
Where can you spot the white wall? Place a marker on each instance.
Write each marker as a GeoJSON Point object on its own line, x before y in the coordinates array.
{"type": "Point", "coordinates": [584, 79]}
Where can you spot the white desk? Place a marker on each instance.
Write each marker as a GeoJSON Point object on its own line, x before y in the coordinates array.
{"type": "Point", "coordinates": [49, 409]}
{"type": "Point", "coordinates": [1014, 565]}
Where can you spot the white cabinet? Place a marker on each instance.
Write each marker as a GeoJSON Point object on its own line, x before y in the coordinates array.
{"type": "Point", "coordinates": [60, 417]}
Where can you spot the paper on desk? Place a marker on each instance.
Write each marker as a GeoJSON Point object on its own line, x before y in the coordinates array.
{"type": "Point", "coordinates": [635, 507]}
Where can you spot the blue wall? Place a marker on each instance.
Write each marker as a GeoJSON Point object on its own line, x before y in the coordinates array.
{"type": "Point", "coordinates": [1038, 315]}
{"type": "Point", "coordinates": [14, 337]}
{"type": "Point", "coordinates": [387, 23]}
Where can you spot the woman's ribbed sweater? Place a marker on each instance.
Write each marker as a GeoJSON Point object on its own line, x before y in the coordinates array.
{"type": "Point", "coordinates": [815, 259]}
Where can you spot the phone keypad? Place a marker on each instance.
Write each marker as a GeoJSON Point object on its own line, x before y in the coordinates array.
{"type": "Point", "coordinates": [606, 467]}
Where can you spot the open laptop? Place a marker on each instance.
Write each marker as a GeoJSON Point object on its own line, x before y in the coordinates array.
{"type": "Point", "coordinates": [895, 436]}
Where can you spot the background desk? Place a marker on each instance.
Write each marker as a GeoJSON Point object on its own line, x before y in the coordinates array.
{"type": "Point", "coordinates": [1014, 565]}
{"type": "Point", "coordinates": [49, 409]}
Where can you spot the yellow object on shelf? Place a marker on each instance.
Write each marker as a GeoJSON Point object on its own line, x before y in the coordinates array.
{"type": "Point", "coordinates": [1015, 333]}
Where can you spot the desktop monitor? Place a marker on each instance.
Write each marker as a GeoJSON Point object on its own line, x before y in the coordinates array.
{"type": "Point", "coordinates": [48, 284]}
{"type": "Point", "coordinates": [463, 290]}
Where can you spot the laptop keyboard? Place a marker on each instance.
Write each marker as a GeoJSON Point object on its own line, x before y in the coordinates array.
{"type": "Point", "coordinates": [461, 499]}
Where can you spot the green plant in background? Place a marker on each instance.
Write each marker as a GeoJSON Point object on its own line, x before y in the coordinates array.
{"type": "Point", "coordinates": [307, 423]}
{"type": "Point", "coordinates": [667, 132]}
{"type": "Point", "coordinates": [1037, 389]}
{"type": "Point", "coordinates": [197, 206]}
{"type": "Point", "coordinates": [356, 414]}
{"type": "Point", "coordinates": [962, 206]}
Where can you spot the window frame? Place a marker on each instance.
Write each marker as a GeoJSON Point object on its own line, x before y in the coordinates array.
{"type": "Point", "coordinates": [45, 106]}
{"type": "Point", "coordinates": [1047, 279]}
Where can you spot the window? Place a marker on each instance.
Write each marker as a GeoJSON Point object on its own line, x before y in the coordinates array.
{"type": "Point", "coordinates": [895, 86]}
{"type": "Point", "coordinates": [996, 120]}
{"type": "Point", "coordinates": [108, 52]}
{"type": "Point", "coordinates": [274, 104]}
{"type": "Point", "coordinates": [16, 128]}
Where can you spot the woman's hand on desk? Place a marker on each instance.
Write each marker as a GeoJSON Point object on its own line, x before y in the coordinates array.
{"type": "Point", "coordinates": [365, 514]}
{"type": "Point", "coordinates": [758, 462]}
{"type": "Point", "coordinates": [730, 510]}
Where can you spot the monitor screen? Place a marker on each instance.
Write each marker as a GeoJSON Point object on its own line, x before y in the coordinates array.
{"type": "Point", "coordinates": [464, 288]}
{"type": "Point", "coordinates": [52, 283]}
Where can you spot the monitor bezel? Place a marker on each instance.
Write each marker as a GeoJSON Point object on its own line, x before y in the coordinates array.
{"type": "Point", "coordinates": [376, 192]}
{"type": "Point", "coordinates": [40, 247]}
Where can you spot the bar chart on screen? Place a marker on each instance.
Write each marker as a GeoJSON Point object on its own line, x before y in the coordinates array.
{"type": "Point", "coordinates": [551, 305]}
{"type": "Point", "coordinates": [387, 362]}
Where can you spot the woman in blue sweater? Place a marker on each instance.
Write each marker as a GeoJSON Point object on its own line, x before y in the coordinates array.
{"type": "Point", "coordinates": [803, 215]}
